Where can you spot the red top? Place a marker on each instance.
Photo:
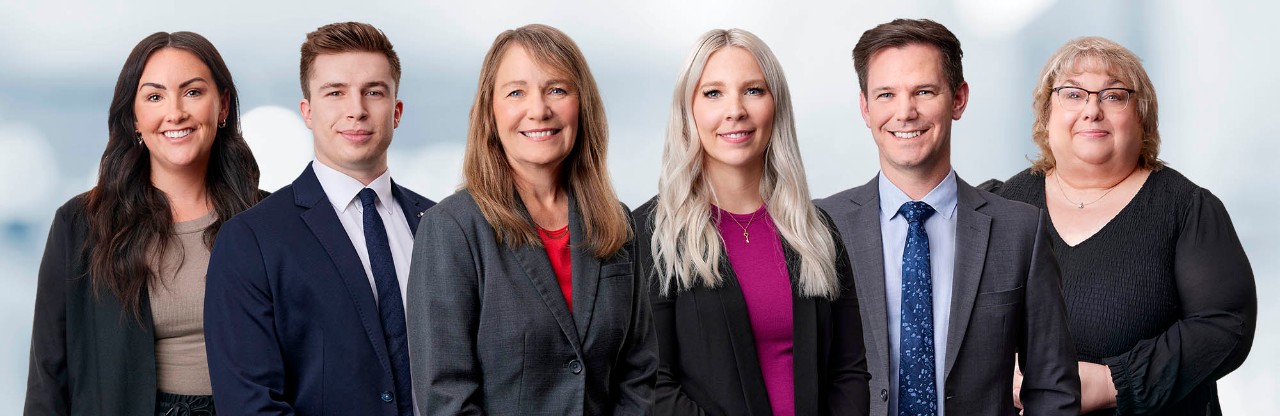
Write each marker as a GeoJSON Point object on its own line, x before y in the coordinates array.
{"type": "Point", "coordinates": [557, 244]}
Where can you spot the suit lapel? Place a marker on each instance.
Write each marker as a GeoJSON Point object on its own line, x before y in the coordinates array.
{"type": "Point", "coordinates": [536, 265]}
{"type": "Point", "coordinates": [973, 229]}
{"type": "Point", "coordinates": [413, 208]}
{"type": "Point", "coordinates": [804, 340]}
{"type": "Point", "coordinates": [586, 271]}
{"type": "Point", "coordinates": [327, 228]}
{"type": "Point", "coordinates": [742, 339]}
{"type": "Point", "coordinates": [867, 253]}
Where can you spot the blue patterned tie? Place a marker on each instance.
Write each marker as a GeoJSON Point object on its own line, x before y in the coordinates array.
{"type": "Point", "coordinates": [917, 387]}
{"type": "Point", "coordinates": [390, 305]}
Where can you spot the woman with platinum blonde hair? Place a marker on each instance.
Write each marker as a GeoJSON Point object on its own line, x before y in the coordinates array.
{"type": "Point", "coordinates": [752, 291]}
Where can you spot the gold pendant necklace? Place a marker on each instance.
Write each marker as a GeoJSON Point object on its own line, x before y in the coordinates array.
{"type": "Point", "coordinates": [1080, 205]}
{"type": "Point", "coordinates": [745, 235]}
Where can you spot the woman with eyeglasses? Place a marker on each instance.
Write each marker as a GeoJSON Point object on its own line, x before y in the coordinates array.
{"type": "Point", "coordinates": [1160, 296]}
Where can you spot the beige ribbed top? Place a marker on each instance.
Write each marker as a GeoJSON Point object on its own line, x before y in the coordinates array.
{"type": "Point", "coordinates": [177, 310]}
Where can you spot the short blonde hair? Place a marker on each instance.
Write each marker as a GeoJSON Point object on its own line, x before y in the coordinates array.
{"type": "Point", "coordinates": [1102, 54]}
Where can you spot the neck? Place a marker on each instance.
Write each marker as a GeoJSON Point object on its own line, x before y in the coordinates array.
{"type": "Point", "coordinates": [185, 189]}
{"type": "Point", "coordinates": [736, 189]}
{"type": "Point", "coordinates": [916, 183]}
{"type": "Point", "coordinates": [543, 195]}
{"type": "Point", "coordinates": [364, 174]}
{"type": "Point", "coordinates": [1081, 177]}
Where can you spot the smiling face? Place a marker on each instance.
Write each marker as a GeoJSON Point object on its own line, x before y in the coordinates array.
{"type": "Point", "coordinates": [733, 109]}
{"type": "Point", "coordinates": [909, 108]}
{"type": "Point", "coordinates": [178, 108]}
{"type": "Point", "coordinates": [1093, 136]}
{"type": "Point", "coordinates": [352, 112]}
{"type": "Point", "coordinates": [535, 110]}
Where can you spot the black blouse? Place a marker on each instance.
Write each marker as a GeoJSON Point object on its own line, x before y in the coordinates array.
{"type": "Point", "coordinates": [1163, 294]}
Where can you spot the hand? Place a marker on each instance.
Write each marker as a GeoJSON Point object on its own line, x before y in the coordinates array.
{"type": "Point", "coordinates": [1017, 386]}
{"type": "Point", "coordinates": [1097, 390]}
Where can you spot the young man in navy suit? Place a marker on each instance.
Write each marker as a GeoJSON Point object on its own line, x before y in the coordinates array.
{"type": "Point", "coordinates": [304, 307]}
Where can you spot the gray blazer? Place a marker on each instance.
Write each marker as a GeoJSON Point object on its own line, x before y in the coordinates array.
{"type": "Point", "coordinates": [490, 332]}
{"type": "Point", "coordinates": [1007, 300]}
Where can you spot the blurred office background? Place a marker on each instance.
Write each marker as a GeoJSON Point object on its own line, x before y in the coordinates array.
{"type": "Point", "coordinates": [1212, 63]}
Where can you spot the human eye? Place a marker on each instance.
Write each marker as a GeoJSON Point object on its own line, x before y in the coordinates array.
{"type": "Point", "coordinates": [884, 96]}
{"type": "Point", "coordinates": [153, 97]}
{"type": "Point", "coordinates": [194, 92]}
{"type": "Point", "coordinates": [1073, 94]}
{"type": "Point", "coordinates": [515, 94]}
{"type": "Point", "coordinates": [755, 91]}
{"type": "Point", "coordinates": [1115, 95]}
{"type": "Point", "coordinates": [333, 93]}
{"type": "Point", "coordinates": [374, 93]}
{"type": "Point", "coordinates": [712, 93]}
{"type": "Point", "coordinates": [927, 93]}
{"type": "Point", "coordinates": [558, 91]}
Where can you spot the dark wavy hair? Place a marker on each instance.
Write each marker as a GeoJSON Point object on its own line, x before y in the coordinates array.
{"type": "Point", "coordinates": [130, 223]}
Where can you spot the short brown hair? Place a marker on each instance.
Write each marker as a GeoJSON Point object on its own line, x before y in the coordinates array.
{"type": "Point", "coordinates": [903, 32]}
{"type": "Point", "coordinates": [1095, 53]}
{"type": "Point", "coordinates": [337, 38]}
{"type": "Point", "coordinates": [488, 175]}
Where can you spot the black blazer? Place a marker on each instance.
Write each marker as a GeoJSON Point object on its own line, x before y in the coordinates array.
{"type": "Point", "coordinates": [490, 332]}
{"type": "Point", "coordinates": [88, 357]}
{"type": "Point", "coordinates": [708, 363]}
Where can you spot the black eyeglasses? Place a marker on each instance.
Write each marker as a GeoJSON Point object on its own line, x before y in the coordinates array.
{"type": "Point", "coordinates": [1110, 99]}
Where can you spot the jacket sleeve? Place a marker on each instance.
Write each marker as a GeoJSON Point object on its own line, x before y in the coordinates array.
{"type": "Point", "coordinates": [1051, 377]}
{"type": "Point", "coordinates": [850, 392]}
{"type": "Point", "coordinates": [637, 369]}
{"type": "Point", "coordinates": [47, 384]}
{"type": "Point", "coordinates": [246, 365]}
{"type": "Point", "coordinates": [444, 317]}
{"type": "Point", "coordinates": [1219, 303]}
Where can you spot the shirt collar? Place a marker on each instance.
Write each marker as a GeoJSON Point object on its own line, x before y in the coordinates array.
{"type": "Point", "coordinates": [343, 190]}
{"type": "Point", "coordinates": [943, 198]}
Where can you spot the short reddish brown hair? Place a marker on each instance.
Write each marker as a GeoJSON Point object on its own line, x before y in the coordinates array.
{"type": "Point", "coordinates": [337, 38]}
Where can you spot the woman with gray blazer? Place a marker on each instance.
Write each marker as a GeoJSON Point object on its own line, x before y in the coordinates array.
{"type": "Point", "coordinates": [753, 300]}
{"type": "Point", "coordinates": [522, 297]}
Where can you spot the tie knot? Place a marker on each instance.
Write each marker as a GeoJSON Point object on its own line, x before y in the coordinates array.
{"type": "Point", "coordinates": [916, 211]}
{"type": "Point", "coordinates": [367, 197]}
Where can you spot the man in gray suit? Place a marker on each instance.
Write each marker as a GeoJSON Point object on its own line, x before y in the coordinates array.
{"type": "Point", "coordinates": [955, 283]}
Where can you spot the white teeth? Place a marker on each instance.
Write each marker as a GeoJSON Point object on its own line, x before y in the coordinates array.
{"type": "Point", "coordinates": [907, 134]}
{"type": "Point", "coordinates": [539, 134]}
{"type": "Point", "coordinates": [737, 135]}
{"type": "Point", "coordinates": [177, 134]}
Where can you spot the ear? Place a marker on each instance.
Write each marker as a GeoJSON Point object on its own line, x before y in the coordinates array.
{"type": "Point", "coordinates": [959, 100]}
{"type": "Point", "coordinates": [226, 107]}
{"type": "Point", "coordinates": [304, 107]}
{"type": "Point", "coordinates": [862, 105]}
{"type": "Point", "coordinates": [396, 115]}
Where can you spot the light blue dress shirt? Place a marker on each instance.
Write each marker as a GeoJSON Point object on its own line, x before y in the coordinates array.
{"type": "Point", "coordinates": [942, 260]}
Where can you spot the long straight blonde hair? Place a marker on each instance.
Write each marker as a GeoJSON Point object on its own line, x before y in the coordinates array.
{"type": "Point", "coordinates": [488, 176]}
{"type": "Point", "coordinates": [686, 244]}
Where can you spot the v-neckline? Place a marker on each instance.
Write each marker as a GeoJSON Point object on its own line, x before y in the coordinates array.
{"type": "Point", "coordinates": [1053, 227]}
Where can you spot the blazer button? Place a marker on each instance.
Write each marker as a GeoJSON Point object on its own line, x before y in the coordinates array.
{"type": "Point", "coordinates": [575, 366]}
{"type": "Point", "coordinates": [387, 397]}
{"type": "Point", "coordinates": [884, 395]}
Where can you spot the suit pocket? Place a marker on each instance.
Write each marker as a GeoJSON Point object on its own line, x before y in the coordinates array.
{"type": "Point", "coordinates": [615, 270]}
{"type": "Point", "coordinates": [1001, 298]}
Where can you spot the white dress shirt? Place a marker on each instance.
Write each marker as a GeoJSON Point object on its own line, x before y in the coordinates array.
{"type": "Point", "coordinates": [343, 192]}
{"type": "Point", "coordinates": [941, 228]}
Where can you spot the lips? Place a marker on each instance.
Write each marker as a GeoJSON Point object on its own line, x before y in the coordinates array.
{"type": "Point", "coordinates": [907, 134]}
{"type": "Point", "coordinates": [177, 134]}
{"type": "Point", "coordinates": [539, 135]}
{"type": "Point", "coordinates": [1093, 133]}
{"type": "Point", "coordinates": [356, 135]}
{"type": "Point", "coordinates": [738, 136]}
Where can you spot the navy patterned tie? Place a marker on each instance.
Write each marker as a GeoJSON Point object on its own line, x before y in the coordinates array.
{"type": "Point", "coordinates": [390, 305]}
{"type": "Point", "coordinates": [917, 387]}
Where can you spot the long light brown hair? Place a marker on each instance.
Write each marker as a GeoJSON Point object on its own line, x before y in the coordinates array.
{"type": "Point", "coordinates": [488, 175]}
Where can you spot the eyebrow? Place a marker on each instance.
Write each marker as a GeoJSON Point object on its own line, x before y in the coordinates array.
{"type": "Point", "coordinates": [913, 88]}
{"type": "Point", "coordinates": [752, 82]}
{"type": "Point", "coordinates": [521, 83]}
{"type": "Point", "coordinates": [182, 85]}
{"type": "Point", "coordinates": [1110, 82]}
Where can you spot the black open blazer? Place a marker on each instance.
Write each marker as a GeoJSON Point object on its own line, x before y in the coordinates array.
{"type": "Point", "coordinates": [707, 355]}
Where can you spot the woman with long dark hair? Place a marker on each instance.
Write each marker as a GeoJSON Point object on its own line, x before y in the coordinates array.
{"type": "Point", "coordinates": [118, 318]}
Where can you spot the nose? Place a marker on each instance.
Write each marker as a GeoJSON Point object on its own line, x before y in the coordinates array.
{"type": "Point", "coordinates": [735, 111]}
{"type": "Point", "coordinates": [906, 110]}
{"type": "Point", "coordinates": [539, 108]}
{"type": "Point", "coordinates": [356, 109]}
{"type": "Point", "coordinates": [176, 113]}
{"type": "Point", "coordinates": [1092, 108]}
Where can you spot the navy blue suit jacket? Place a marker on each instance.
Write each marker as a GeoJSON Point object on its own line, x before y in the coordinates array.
{"type": "Point", "coordinates": [291, 324]}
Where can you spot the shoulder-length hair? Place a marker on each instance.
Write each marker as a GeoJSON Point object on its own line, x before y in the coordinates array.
{"type": "Point", "coordinates": [686, 244]}
{"type": "Point", "coordinates": [488, 175]}
{"type": "Point", "coordinates": [130, 223]}
{"type": "Point", "coordinates": [1101, 54]}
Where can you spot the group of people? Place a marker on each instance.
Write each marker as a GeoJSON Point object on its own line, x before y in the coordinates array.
{"type": "Point", "coordinates": [1097, 281]}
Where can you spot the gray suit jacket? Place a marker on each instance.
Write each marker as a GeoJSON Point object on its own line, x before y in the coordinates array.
{"type": "Point", "coordinates": [1006, 300]}
{"type": "Point", "coordinates": [490, 332]}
